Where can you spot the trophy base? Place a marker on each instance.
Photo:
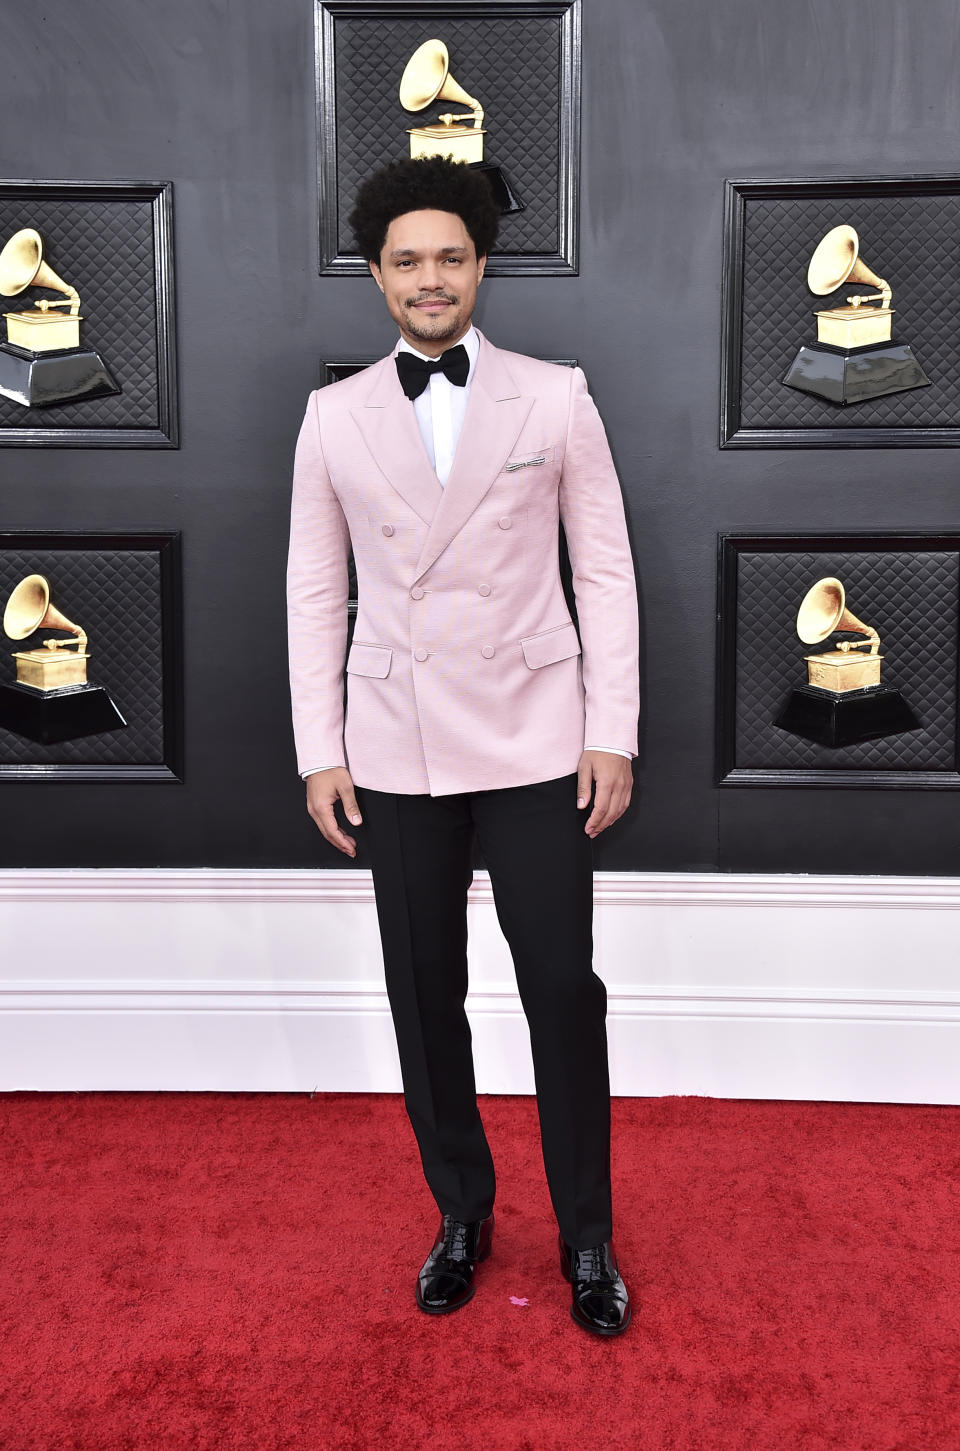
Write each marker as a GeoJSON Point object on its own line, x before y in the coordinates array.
{"type": "Point", "coordinates": [503, 193]}
{"type": "Point", "coordinates": [460, 143]}
{"type": "Point", "coordinates": [852, 375]}
{"type": "Point", "coordinates": [39, 380]}
{"type": "Point", "coordinates": [51, 716]}
{"type": "Point", "coordinates": [830, 719]}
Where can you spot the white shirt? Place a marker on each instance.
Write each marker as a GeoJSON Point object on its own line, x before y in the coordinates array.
{"type": "Point", "coordinates": [442, 407]}
{"type": "Point", "coordinates": [440, 410]}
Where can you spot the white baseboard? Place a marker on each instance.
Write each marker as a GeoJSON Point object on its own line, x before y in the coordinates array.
{"type": "Point", "coordinates": [730, 986]}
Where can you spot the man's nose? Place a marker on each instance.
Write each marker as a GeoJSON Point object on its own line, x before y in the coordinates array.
{"type": "Point", "coordinates": [430, 279]}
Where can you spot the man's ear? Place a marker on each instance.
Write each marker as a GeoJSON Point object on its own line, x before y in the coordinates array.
{"type": "Point", "coordinates": [375, 274]}
{"type": "Point", "coordinates": [481, 263]}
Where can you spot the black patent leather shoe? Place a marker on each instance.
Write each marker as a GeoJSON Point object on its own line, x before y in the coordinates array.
{"type": "Point", "coordinates": [600, 1300]}
{"type": "Point", "coordinates": [446, 1280]}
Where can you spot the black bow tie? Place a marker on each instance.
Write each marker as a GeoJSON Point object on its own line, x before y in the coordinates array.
{"type": "Point", "coordinates": [415, 373]}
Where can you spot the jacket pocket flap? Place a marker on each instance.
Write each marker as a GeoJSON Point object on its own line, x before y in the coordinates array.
{"type": "Point", "coordinates": [551, 646]}
{"type": "Point", "coordinates": [369, 660]}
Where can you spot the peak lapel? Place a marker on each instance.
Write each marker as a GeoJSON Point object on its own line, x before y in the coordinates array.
{"type": "Point", "coordinates": [392, 434]}
{"type": "Point", "coordinates": [495, 415]}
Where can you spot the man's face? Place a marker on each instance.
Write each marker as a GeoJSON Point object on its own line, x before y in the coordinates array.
{"type": "Point", "coordinates": [429, 271]}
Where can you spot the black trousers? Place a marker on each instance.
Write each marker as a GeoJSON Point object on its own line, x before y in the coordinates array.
{"type": "Point", "coordinates": [540, 865]}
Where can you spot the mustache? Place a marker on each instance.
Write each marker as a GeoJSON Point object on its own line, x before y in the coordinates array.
{"type": "Point", "coordinates": [435, 297]}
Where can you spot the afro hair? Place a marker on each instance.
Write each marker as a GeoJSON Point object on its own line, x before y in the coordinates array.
{"type": "Point", "coordinates": [428, 183]}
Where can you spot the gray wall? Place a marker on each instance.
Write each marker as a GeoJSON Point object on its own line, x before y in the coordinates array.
{"type": "Point", "coordinates": [678, 94]}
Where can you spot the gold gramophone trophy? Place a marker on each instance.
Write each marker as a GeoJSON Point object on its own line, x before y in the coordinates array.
{"type": "Point", "coordinates": [42, 362]}
{"type": "Point", "coordinates": [854, 357]}
{"type": "Point", "coordinates": [843, 701]}
{"type": "Point", "coordinates": [51, 700]}
{"type": "Point", "coordinates": [426, 78]}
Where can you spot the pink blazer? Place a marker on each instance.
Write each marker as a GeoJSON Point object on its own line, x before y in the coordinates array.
{"type": "Point", "coordinates": [465, 672]}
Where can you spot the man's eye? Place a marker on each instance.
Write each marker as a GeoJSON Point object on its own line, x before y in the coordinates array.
{"type": "Point", "coordinates": [456, 260]}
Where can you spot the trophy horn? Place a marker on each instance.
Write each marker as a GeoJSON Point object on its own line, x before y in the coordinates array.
{"type": "Point", "coordinates": [823, 609]}
{"type": "Point", "coordinates": [836, 259]}
{"type": "Point", "coordinates": [22, 266]}
{"type": "Point", "coordinates": [427, 78]}
{"type": "Point", "coordinates": [29, 609]}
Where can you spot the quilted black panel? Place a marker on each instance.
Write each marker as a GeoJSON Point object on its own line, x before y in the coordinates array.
{"type": "Point", "coordinates": [909, 597]}
{"type": "Point", "coordinates": [907, 240]}
{"type": "Point", "coordinates": [113, 594]}
{"type": "Point", "coordinates": [511, 65]}
{"type": "Point", "coordinates": [105, 250]}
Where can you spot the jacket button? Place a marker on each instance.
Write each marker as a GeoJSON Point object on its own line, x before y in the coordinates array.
{"type": "Point", "coordinates": [420, 654]}
{"type": "Point", "coordinates": [387, 529]}
{"type": "Point", "coordinates": [505, 522]}
{"type": "Point", "coordinates": [416, 593]}
{"type": "Point", "coordinates": [483, 589]}
{"type": "Point", "coordinates": [488, 652]}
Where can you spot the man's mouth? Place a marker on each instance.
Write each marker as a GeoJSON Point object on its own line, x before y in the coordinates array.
{"type": "Point", "coordinates": [432, 304]}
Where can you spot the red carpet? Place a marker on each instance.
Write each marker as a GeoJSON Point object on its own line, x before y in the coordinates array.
{"type": "Point", "coordinates": [183, 1272]}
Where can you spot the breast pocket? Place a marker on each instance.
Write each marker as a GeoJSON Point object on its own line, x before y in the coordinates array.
{"type": "Point", "coordinates": [535, 458]}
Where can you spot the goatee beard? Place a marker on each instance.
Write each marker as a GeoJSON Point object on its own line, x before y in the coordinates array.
{"type": "Point", "coordinates": [437, 333]}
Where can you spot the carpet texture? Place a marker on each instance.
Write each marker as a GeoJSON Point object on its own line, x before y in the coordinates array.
{"type": "Point", "coordinates": [234, 1272]}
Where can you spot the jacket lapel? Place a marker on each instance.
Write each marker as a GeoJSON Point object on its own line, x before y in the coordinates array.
{"type": "Point", "coordinates": [391, 432]}
{"type": "Point", "coordinates": [495, 415]}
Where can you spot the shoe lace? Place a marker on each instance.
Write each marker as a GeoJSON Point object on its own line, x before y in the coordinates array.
{"type": "Point", "coordinates": [592, 1264]}
{"type": "Point", "coordinates": [455, 1238]}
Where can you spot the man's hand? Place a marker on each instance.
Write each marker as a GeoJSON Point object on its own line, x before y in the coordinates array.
{"type": "Point", "coordinates": [324, 789]}
{"type": "Point", "coordinates": [614, 786]}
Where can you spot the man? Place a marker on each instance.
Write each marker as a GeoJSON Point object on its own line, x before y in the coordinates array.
{"type": "Point", "coordinates": [470, 709]}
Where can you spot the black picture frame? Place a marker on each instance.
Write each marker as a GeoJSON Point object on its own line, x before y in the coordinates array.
{"type": "Point", "coordinates": [165, 548]}
{"type": "Point", "coordinates": [564, 261]}
{"type": "Point", "coordinates": [733, 772]}
{"type": "Point", "coordinates": [153, 366]}
{"type": "Point", "coordinates": [895, 192]}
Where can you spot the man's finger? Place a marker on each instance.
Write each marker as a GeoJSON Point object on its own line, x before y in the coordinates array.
{"type": "Point", "coordinates": [601, 802]}
{"type": "Point", "coordinates": [324, 790]}
{"type": "Point", "coordinates": [615, 810]}
{"type": "Point", "coordinates": [350, 807]}
{"type": "Point", "coordinates": [330, 830]}
{"type": "Point", "coordinates": [322, 813]}
{"type": "Point", "coordinates": [584, 784]}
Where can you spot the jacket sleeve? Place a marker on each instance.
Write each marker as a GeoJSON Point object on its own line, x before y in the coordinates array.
{"type": "Point", "coordinates": [591, 507]}
{"type": "Point", "coordinates": [317, 591]}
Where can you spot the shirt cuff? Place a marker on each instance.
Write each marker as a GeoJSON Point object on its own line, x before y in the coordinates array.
{"type": "Point", "coordinates": [610, 751]}
{"type": "Point", "coordinates": [314, 770]}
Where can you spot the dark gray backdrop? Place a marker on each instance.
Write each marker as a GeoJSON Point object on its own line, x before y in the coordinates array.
{"type": "Point", "coordinates": [677, 95]}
